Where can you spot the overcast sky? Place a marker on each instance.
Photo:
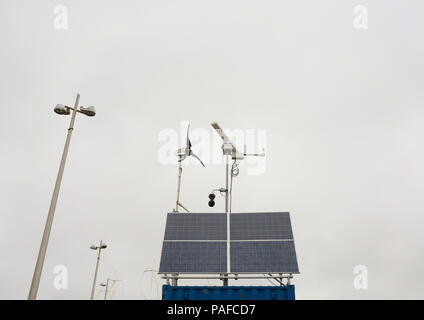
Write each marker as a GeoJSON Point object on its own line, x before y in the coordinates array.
{"type": "Point", "coordinates": [342, 109]}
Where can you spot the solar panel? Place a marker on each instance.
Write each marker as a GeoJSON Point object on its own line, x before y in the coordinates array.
{"type": "Point", "coordinates": [259, 243]}
{"type": "Point", "coordinates": [193, 257]}
{"type": "Point", "coordinates": [196, 226]}
{"type": "Point", "coordinates": [260, 226]}
{"type": "Point", "coordinates": [263, 257]}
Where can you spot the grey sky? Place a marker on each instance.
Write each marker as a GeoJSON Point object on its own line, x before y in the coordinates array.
{"type": "Point", "coordinates": [342, 109]}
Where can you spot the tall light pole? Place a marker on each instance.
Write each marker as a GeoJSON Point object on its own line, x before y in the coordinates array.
{"type": "Point", "coordinates": [100, 247]}
{"type": "Point", "coordinates": [64, 110]}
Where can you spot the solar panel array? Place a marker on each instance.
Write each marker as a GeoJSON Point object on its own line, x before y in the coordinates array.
{"type": "Point", "coordinates": [260, 226]}
{"type": "Point", "coordinates": [263, 257]}
{"type": "Point", "coordinates": [258, 243]}
{"type": "Point", "coordinates": [196, 226]}
{"type": "Point", "coordinates": [194, 257]}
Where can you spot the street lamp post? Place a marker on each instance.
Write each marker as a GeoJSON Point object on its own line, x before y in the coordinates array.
{"type": "Point", "coordinates": [106, 285]}
{"type": "Point", "coordinates": [100, 247]}
{"type": "Point", "coordinates": [64, 110]}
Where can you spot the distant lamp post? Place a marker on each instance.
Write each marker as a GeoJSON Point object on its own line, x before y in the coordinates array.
{"type": "Point", "coordinates": [94, 247]}
{"type": "Point", "coordinates": [63, 110]}
{"type": "Point", "coordinates": [106, 285]}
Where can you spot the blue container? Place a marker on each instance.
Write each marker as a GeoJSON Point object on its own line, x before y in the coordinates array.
{"type": "Point", "coordinates": [227, 293]}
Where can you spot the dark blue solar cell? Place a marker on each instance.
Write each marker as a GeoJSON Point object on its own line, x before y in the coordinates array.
{"type": "Point", "coordinates": [196, 226]}
{"type": "Point", "coordinates": [260, 226]}
{"type": "Point", "coordinates": [263, 257]}
{"type": "Point", "coordinates": [193, 257]}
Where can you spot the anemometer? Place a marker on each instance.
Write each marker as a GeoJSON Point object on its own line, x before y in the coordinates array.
{"type": "Point", "coordinates": [229, 150]}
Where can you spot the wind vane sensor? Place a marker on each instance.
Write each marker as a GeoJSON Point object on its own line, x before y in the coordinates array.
{"type": "Point", "coordinates": [229, 150]}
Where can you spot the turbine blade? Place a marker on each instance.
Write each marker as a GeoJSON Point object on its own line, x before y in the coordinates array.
{"type": "Point", "coordinates": [197, 158]}
{"type": "Point", "coordinates": [188, 143]}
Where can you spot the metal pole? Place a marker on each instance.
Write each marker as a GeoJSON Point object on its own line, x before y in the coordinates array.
{"type": "Point", "coordinates": [225, 278]}
{"type": "Point", "coordinates": [226, 183]}
{"type": "Point", "coordinates": [95, 274]}
{"type": "Point", "coordinates": [46, 235]}
{"type": "Point", "coordinates": [107, 285]}
{"type": "Point", "coordinates": [180, 170]}
{"type": "Point", "coordinates": [174, 282]}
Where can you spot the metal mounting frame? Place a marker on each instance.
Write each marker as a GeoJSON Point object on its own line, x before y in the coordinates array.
{"type": "Point", "coordinates": [229, 276]}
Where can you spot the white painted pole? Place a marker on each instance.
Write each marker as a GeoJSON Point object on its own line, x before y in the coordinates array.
{"type": "Point", "coordinates": [46, 235]}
